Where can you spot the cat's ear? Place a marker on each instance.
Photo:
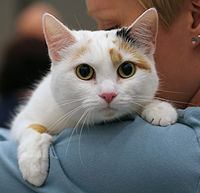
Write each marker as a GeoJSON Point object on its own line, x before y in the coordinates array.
{"type": "Point", "coordinates": [57, 36]}
{"type": "Point", "coordinates": [143, 32]}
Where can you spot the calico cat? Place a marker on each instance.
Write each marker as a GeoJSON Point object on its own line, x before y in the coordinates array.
{"type": "Point", "coordinates": [95, 77]}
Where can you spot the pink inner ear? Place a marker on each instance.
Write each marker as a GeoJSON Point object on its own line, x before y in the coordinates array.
{"type": "Point", "coordinates": [57, 36]}
{"type": "Point", "coordinates": [145, 29]}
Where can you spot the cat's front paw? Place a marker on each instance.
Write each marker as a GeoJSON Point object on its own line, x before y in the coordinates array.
{"type": "Point", "coordinates": [160, 113]}
{"type": "Point", "coordinates": [33, 158]}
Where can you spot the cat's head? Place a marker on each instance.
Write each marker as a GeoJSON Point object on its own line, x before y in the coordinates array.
{"type": "Point", "coordinates": [103, 74]}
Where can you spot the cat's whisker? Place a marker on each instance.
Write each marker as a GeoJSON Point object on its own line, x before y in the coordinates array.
{"type": "Point", "coordinates": [92, 118]}
{"type": "Point", "coordinates": [89, 120]}
{"type": "Point", "coordinates": [130, 100]}
{"type": "Point", "coordinates": [130, 111]}
{"type": "Point", "coordinates": [91, 105]}
{"type": "Point", "coordinates": [142, 96]}
{"type": "Point", "coordinates": [77, 98]}
{"type": "Point", "coordinates": [174, 101]}
{"type": "Point", "coordinates": [64, 117]}
{"type": "Point", "coordinates": [66, 102]}
{"type": "Point", "coordinates": [80, 135]}
{"type": "Point", "coordinates": [161, 75]}
{"type": "Point", "coordinates": [168, 91]}
{"type": "Point", "coordinates": [75, 127]}
{"type": "Point", "coordinates": [136, 103]}
{"type": "Point", "coordinates": [77, 21]}
{"type": "Point", "coordinates": [147, 99]}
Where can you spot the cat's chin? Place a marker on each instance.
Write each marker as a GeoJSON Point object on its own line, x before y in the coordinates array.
{"type": "Point", "coordinates": [109, 113]}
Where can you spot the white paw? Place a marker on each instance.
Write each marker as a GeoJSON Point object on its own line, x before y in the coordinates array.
{"type": "Point", "coordinates": [33, 157]}
{"type": "Point", "coordinates": [160, 113]}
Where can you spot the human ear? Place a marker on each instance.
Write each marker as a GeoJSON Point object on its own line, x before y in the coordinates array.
{"type": "Point", "coordinates": [195, 27]}
{"type": "Point", "coordinates": [57, 36]}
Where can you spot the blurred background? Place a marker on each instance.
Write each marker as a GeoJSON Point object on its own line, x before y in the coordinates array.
{"type": "Point", "coordinates": [72, 12]}
{"type": "Point", "coordinates": [23, 52]}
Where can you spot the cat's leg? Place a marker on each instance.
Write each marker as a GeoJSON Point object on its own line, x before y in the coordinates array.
{"type": "Point", "coordinates": [33, 156]}
{"type": "Point", "coordinates": [31, 128]}
{"type": "Point", "coordinates": [159, 113]}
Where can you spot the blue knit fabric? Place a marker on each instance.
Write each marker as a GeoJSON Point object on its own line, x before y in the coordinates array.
{"type": "Point", "coordinates": [130, 156]}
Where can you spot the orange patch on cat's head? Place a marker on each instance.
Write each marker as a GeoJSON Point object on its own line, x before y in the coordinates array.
{"type": "Point", "coordinates": [89, 41]}
{"type": "Point", "coordinates": [79, 52]}
{"type": "Point", "coordinates": [115, 56]}
{"type": "Point", "coordinates": [142, 63]}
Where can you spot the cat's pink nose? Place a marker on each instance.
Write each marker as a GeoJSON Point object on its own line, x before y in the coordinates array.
{"type": "Point", "coordinates": [108, 97]}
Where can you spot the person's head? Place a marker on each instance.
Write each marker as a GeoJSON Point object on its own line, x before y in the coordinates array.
{"type": "Point", "coordinates": [29, 21]}
{"type": "Point", "coordinates": [177, 56]}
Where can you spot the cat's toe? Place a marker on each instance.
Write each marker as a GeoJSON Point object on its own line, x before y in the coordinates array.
{"type": "Point", "coordinates": [160, 113]}
{"type": "Point", "coordinates": [36, 178]}
{"type": "Point", "coordinates": [33, 160]}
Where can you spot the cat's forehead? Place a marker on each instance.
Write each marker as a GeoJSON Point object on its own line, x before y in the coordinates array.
{"type": "Point", "coordinates": [105, 47]}
{"type": "Point", "coordinates": [107, 44]}
{"type": "Point", "coordinates": [99, 40]}
{"type": "Point", "coordinates": [100, 35]}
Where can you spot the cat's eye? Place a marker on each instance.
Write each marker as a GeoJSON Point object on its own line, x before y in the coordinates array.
{"type": "Point", "coordinates": [85, 72]}
{"type": "Point", "coordinates": [126, 69]}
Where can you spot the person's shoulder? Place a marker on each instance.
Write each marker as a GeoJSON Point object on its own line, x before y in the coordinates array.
{"type": "Point", "coordinates": [4, 134]}
{"type": "Point", "coordinates": [190, 116]}
{"type": "Point", "coordinates": [160, 158]}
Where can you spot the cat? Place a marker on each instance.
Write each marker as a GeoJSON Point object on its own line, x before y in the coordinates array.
{"type": "Point", "coordinates": [103, 75]}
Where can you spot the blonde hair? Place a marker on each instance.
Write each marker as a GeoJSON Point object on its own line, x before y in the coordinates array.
{"type": "Point", "coordinates": [167, 9]}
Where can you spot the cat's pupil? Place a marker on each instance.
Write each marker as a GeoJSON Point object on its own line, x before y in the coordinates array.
{"type": "Point", "coordinates": [84, 70]}
{"type": "Point", "coordinates": [127, 68]}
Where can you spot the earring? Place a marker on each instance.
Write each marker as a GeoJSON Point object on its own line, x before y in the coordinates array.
{"type": "Point", "coordinates": [194, 40]}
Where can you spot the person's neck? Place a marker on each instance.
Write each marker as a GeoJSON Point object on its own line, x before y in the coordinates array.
{"type": "Point", "coordinates": [195, 101]}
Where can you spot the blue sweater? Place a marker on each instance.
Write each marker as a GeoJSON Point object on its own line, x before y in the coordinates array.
{"type": "Point", "coordinates": [130, 156]}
